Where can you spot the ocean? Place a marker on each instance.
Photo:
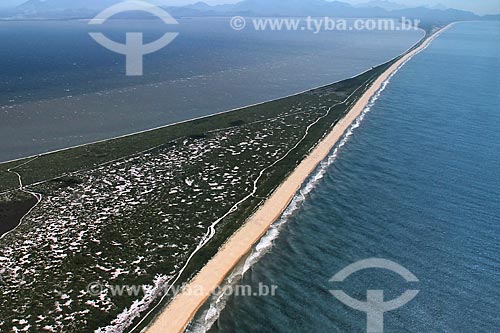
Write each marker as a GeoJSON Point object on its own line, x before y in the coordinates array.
{"type": "Point", "coordinates": [59, 88]}
{"type": "Point", "coordinates": [416, 181]}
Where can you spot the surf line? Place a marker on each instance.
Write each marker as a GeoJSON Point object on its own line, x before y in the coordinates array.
{"type": "Point", "coordinates": [218, 302]}
{"type": "Point", "coordinates": [210, 316]}
{"type": "Point", "coordinates": [212, 229]}
{"type": "Point", "coordinates": [180, 311]}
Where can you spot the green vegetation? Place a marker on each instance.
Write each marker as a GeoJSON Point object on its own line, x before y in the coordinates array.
{"type": "Point", "coordinates": [54, 165]}
{"type": "Point", "coordinates": [130, 211]}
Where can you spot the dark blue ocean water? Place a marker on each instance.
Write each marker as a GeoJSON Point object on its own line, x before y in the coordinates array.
{"type": "Point", "coordinates": [417, 183]}
{"type": "Point", "coordinates": [59, 88]}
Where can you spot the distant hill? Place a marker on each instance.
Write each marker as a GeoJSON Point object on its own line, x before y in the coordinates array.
{"type": "Point", "coordinates": [492, 17]}
{"type": "Point", "coordinates": [304, 8]}
{"type": "Point", "coordinates": [435, 15]}
{"type": "Point", "coordinates": [337, 9]}
{"type": "Point", "coordinates": [376, 8]}
{"type": "Point", "coordinates": [384, 4]}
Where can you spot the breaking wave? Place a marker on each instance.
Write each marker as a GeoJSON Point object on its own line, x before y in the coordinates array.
{"type": "Point", "coordinates": [210, 313]}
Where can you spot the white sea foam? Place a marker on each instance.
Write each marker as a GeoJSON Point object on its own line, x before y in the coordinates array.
{"type": "Point", "coordinates": [203, 322]}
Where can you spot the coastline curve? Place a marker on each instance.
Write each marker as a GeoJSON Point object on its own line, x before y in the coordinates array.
{"type": "Point", "coordinates": [178, 314]}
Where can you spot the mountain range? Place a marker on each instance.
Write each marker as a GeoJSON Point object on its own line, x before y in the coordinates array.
{"type": "Point", "coordinates": [60, 9]}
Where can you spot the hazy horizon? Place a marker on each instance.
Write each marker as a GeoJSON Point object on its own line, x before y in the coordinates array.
{"type": "Point", "coordinates": [481, 7]}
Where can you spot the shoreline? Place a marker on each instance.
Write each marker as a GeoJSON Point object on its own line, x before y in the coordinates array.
{"type": "Point", "coordinates": [19, 159]}
{"type": "Point", "coordinates": [179, 313]}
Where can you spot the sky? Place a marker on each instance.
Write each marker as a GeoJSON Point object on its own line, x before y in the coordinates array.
{"type": "Point", "coordinates": [477, 6]}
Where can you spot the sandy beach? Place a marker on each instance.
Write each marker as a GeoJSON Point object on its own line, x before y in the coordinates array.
{"type": "Point", "coordinates": [181, 310]}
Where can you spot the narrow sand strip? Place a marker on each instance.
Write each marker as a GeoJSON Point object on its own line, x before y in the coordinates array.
{"type": "Point", "coordinates": [181, 310]}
